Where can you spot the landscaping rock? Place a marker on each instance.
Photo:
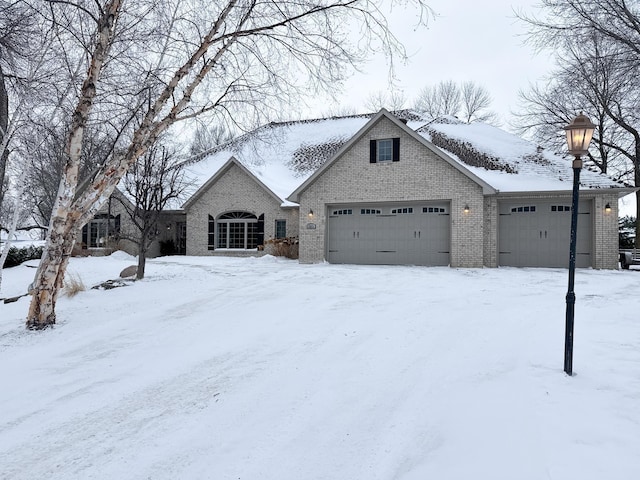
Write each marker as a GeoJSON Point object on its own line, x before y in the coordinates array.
{"type": "Point", "coordinates": [129, 271]}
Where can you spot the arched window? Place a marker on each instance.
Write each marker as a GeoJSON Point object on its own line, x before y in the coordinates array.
{"type": "Point", "coordinates": [237, 230]}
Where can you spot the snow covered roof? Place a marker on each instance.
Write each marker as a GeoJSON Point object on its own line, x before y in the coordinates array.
{"type": "Point", "coordinates": [507, 162]}
{"type": "Point", "coordinates": [282, 156]}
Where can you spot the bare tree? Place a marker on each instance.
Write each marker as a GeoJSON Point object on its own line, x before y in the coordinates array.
{"type": "Point", "coordinates": [15, 30]}
{"type": "Point", "coordinates": [339, 111]}
{"type": "Point", "coordinates": [468, 102]}
{"type": "Point", "coordinates": [155, 180]}
{"type": "Point", "coordinates": [206, 137]}
{"type": "Point", "coordinates": [392, 100]}
{"type": "Point", "coordinates": [598, 44]}
{"type": "Point", "coordinates": [172, 62]}
{"type": "Point", "coordinates": [475, 102]}
{"type": "Point", "coordinates": [439, 100]}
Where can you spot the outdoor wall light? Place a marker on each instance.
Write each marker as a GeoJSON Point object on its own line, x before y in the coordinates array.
{"type": "Point", "coordinates": [607, 208]}
{"type": "Point", "coordinates": [466, 209]}
{"type": "Point", "coordinates": [310, 213]}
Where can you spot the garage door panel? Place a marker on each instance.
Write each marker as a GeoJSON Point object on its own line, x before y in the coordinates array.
{"type": "Point", "coordinates": [388, 237]}
{"type": "Point", "coordinates": [537, 233]}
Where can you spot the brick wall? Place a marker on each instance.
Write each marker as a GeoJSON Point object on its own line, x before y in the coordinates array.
{"type": "Point", "coordinates": [235, 190]}
{"type": "Point", "coordinates": [420, 175]}
{"type": "Point", "coordinates": [606, 232]}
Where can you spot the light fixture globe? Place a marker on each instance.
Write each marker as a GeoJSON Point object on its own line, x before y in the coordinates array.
{"type": "Point", "coordinates": [579, 133]}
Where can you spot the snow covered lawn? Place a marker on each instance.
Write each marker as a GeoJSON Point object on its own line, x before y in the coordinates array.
{"type": "Point", "coordinates": [220, 368]}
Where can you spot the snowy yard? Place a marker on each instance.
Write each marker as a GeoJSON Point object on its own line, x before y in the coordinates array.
{"type": "Point", "coordinates": [264, 369]}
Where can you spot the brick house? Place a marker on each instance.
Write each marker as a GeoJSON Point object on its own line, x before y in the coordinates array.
{"type": "Point", "coordinates": [387, 189]}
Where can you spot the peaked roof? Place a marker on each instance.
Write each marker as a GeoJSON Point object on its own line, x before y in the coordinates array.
{"type": "Point", "coordinates": [280, 155]}
{"type": "Point", "coordinates": [226, 166]}
{"type": "Point", "coordinates": [286, 157]}
{"type": "Point", "coordinates": [507, 162]}
{"type": "Point", "coordinates": [407, 127]}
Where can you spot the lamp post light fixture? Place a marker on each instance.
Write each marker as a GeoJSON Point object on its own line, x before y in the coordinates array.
{"type": "Point", "coordinates": [579, 133]}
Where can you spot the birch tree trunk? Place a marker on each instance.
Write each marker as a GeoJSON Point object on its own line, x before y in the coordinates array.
{"type": "Point", "coordinates": [61, 236]}
{"type": "Point", "coordinates": [247, 46]}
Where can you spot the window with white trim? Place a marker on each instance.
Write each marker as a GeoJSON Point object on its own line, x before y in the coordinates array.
{"type": "Point", "coordinates": [102, 229]}
{"type": "Point", "coordinates": [281, 229]}
{"type": "Point", "coordinates": [237, 230]}
{"type": "Point", "coordinates": [384, 150]}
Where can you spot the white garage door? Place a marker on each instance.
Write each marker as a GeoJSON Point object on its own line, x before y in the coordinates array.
{"type": "Point", "coordinates": [537, 233]}
{"type": "Point", "coordinates": [410, 234]}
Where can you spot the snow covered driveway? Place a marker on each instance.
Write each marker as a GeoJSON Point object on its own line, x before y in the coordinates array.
{"type": "Point", "coordinates": [220, 368]}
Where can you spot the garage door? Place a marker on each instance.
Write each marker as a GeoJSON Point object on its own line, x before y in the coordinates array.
{"type": "Point", "coordinates": [411, 234]}
{"type": "Point", "coordinates": [537, 233]}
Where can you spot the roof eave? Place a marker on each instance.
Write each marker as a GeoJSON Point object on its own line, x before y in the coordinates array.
{"type": "Point", "coordinates": [620, 191]}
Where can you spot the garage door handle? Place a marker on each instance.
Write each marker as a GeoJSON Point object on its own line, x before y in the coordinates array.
{"type": "Point", "coordinates": [545, 234]}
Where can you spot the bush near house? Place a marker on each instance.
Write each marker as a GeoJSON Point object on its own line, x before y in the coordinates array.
{"type": "Point", "coordinates": [18, 255]}
{"type": "Point", "coordinates": [282, 247]}
{"type": "Point", "coordinates": [627, 232]}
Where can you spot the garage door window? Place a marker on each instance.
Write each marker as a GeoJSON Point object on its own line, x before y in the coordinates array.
{"type": "Point", "coordinates": [402, 210]}
{"type": "Point", "coordinates": [369, 211]}
{"type": "Point", "coordinates": [346, 211]}
{"type": "Point", "coordinates": [560, 208]}
{"type": "Point", "coordinates": [525, 209]}
{"type": "Point", "coordinates": [433, 210]}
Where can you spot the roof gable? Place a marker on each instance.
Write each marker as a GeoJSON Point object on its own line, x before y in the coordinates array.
{"type": "Point", "coordinates": [384, 114]}
{"type": "Point", "coordinates": [281, 156]}
{"type": "Point", "coordinates": [232, 161]}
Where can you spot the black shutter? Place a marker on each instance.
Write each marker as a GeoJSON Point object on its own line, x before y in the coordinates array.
{"type": "Point", "coordinates": [85, 236]}
{"type": "Point", "coordinates": [396, 149]}
{"type": "Point", "coordinates": [372, 151]}
{"type": "Point", "coordinates": [211, 234]}
{"type": "Point", "coordinates": [260, 232]}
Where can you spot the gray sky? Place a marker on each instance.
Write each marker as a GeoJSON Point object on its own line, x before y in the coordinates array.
{"type": "Point", "coordinates": [469, 40]}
